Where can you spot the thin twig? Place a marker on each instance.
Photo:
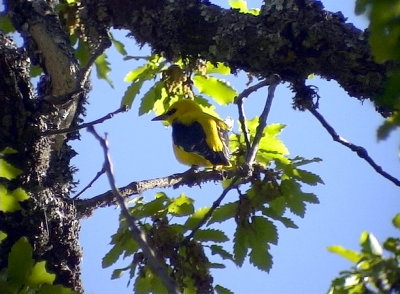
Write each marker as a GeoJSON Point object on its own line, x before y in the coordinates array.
{"type": "Point", "coordinates": [361, 151]}
{"type": "Point", "coordinates": [239, 103]}
{"type": "Point", "coordinates": [103, 170]}
{"type": "Point", "coordinates": [212, 208]}
{"type": "Point", "coordinates": [158, 267]}
{"type": "Point", "coordinates": [262, 122]}
{"type": "Point", "coordinates": [85, 125]}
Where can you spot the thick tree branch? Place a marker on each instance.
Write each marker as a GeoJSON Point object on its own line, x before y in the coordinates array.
{"type": "Point", "coordinates": [157, 266]}
{"type": "Point", "coordinates": [361, 152]}
{"type": "Point", "coordinates": [291, 38]}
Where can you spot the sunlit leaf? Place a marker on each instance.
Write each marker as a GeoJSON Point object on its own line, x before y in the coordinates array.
{"type": "Point", "coordinates": [55, 289]}
{"type": "Point", "coordinates": [9, 200]}
{"type": "Point", "coordinates": [3, 236]}
{"type": "Point", "coordinates": [396, 221]}
{"type": "Point", "coordinates": [8, 171]}
{"type": "Point", "coordinates": [40, 275]}
{"type": "Point", "coordinates": [370, 244]}
{"type": "Point", "coordinates": [349, 254]}
{"type": "Point", "coordinates": [134, 75]}
{"type": "Point", "coordinates": [148, 100]}
{"type": "Point", "coordinates": [216, 88]}
{"type": "Point", "coordinates": [149, 283]}
{"type": "Point", "coordinates": [196, 217]}
{"type": "Point", "coordinates": [220, 68]}
{"type": "Point", "coordinates": [181, 206]}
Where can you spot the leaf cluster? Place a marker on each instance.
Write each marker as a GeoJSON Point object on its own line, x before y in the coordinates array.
{"type": "Point", "coordinates": [24, 275]}
{"type": "Point", "coordinates": [372, 271]}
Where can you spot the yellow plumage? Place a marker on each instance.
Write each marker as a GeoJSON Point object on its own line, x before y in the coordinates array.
{"type": "Point", "coordinates": [198, 138]}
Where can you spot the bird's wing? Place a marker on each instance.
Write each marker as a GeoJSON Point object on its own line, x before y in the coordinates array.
{"type": "Point", "coordinates": [191, 137]}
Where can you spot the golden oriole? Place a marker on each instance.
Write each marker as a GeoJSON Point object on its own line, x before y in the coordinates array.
{"type": "Point", "coordinates": [199, 139]}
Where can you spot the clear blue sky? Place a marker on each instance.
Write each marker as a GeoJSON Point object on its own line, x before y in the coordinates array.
{"type": "Point", "coordinates": [353, 199]}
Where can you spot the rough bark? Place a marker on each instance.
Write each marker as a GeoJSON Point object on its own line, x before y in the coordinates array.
{"type": "Point", "coordinates": [293, 38]}
{"type": "Point", "coordinates": [49, 222]}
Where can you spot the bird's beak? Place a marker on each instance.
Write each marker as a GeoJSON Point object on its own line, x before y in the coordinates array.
{"type": "Point", "coordinates": [160, 117]}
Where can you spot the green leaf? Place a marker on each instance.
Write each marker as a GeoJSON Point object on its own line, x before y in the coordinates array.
{"type": "Point", "coordinates": [370, 245]}
{"type": "Point", "coordinates": [222, 290]}
{"type": "Point", "coordinates": [217, 249]}
{"type": "Point", "coordinates": [40, 275]}
{"type": "Point", "coordinates": [103, 69]}
{"type": "Point", "coordinates": [295, 198]}
{"type": "Point", "coordinates": [389, 125]}
{"type": "Point", "coordinates": [216, 88]}
{"type": "Point", "coordinates": [131, 93]}
{"type": "Point", "coordinates": [155, 93]}
{"type": "Point", "coordinates": [220, 68]}
{"type": "Point", "coordinates": [181, 206]}
{"type": "Point", "coordinates": [9, 201]}
{"type": "Point", "coordinates": [196, 217]}
{"type": "Point", "coordinates": [240, 245]}
{"type": "Point", "coordinates": [123, 244]}
{"type": "Point", "coordinates": [3, 236]}
{"type": "Point", "coordinates": [349, 254]}
{"type": "Point", "coordinates": [210, 235]}
{"type": "Point", "coordinates": [55, 289]}
{"type": "Point", "coordinates": [20, 261]}
{"type": "Point", "coordinates": [135, 74]}
{"type": "Point", "coordinates": [392, 245]}
{"type": "Point", "coordinates": [148, 282]}
{"type": "Point", "coordinates": [264, 230]}
{"type": "Point", "coordinates": [260, 257]}
{"type": "Point", "coordinates": [35, 71]}
{"type": "Point", "coordinates": [6, 25]}
{"type": "Point", "coordinates": [396, 221]}
{"type": "Point", "coordinates": [307, 177]}
{"type": "Point", "coordinates": [223, 213]}
{"type": "Point", "coordinates": [119, 46]}
{"type": "Point", "coordinates": [8, 171]}
{"type": "Point", "coordinates": [242, 6]}
{"type": "Point", "coordinates": [82, 53]}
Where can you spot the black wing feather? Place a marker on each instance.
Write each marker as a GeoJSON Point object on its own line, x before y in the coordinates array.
{"type": "Point", "coordinates": [192, 138]}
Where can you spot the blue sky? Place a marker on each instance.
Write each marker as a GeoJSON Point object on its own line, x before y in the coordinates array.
{"type": "Point", "coordinates": [353, 199]}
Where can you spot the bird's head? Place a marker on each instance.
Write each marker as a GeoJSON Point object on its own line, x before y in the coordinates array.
{"type": "Point", "coordinates": [178, 109]}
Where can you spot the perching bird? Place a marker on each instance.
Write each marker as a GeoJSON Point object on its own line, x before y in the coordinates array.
{"type": "Point", "coordinates": [199, 139]}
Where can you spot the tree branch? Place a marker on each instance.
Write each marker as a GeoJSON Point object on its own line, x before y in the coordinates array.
{"type": "Point", "coordinates": [85, 125]}
{"type": "Point", "coordinates": [85, 207]}
{"type": "Point", "coordinates": [212, 209]}
{"type": "Point", "coordinates": [274, 80]}
{"type": "Point", "coordinates": [291, 38]}
{"type": "Point", "coordinates": [361, 151]}
{"type": "Point", "coordinates": [242, 117]}
{"type": "Point", "coordinates": [159, 268]}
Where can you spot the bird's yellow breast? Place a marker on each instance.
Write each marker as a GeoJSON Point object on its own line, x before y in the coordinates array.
{"type": "Point", "coordinates": [190, 158]}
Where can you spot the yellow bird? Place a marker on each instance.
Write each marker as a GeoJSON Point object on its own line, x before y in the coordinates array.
{"type": "Point", "coordinates": [199, 139]}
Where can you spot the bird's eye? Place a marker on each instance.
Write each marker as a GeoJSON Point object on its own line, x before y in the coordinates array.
{"type": "Point", "coordinates": [171, 112]}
